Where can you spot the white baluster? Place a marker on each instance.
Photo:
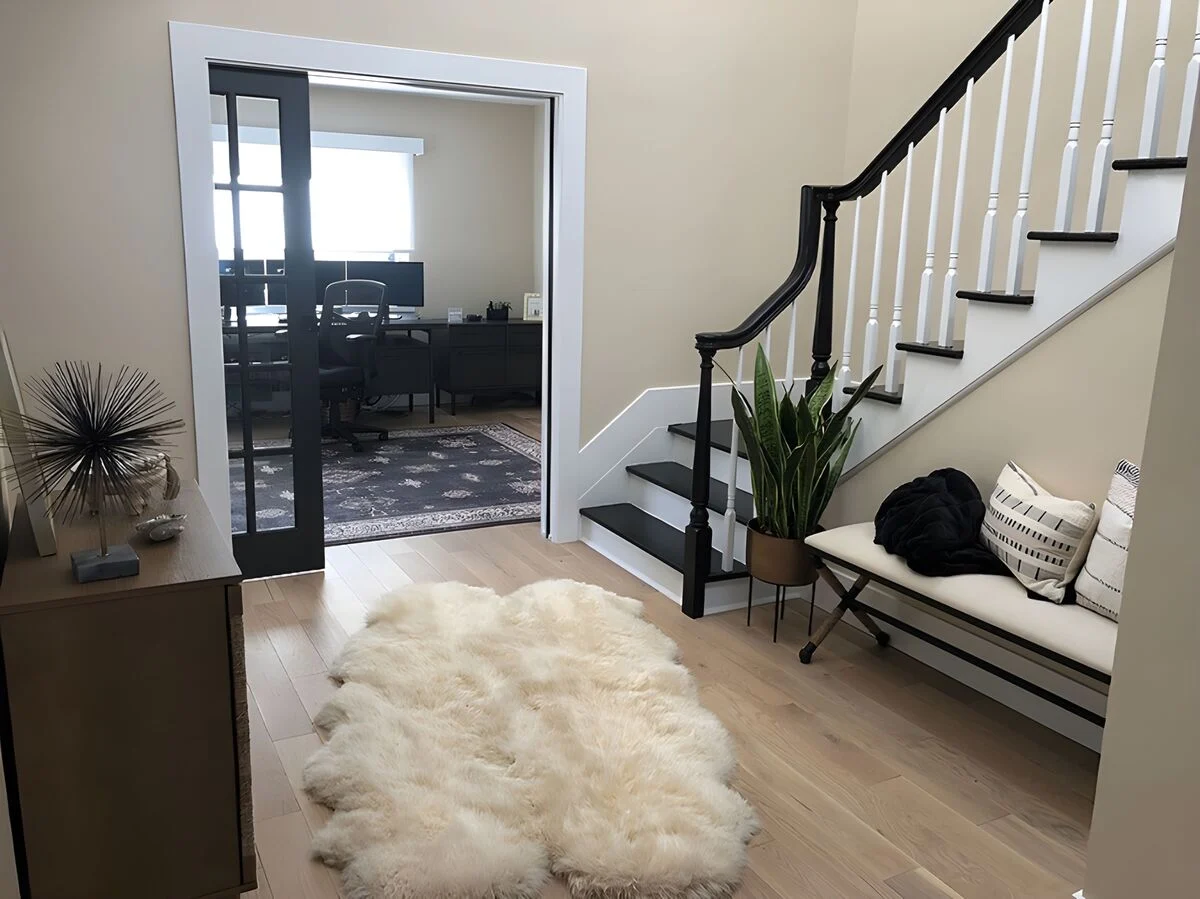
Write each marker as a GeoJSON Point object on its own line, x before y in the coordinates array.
{"type": "Point", "coordinates": [935, 202]}
{"type": "Point", "coordinates": [871, 340]}
{"type": "Point", "coordinates": [895, 335]}
{"type": "Point", "coordinates": [950, 292]}
{"type": "Point", "coordinates": [1016, 256]}
{"type": "Point", "coordinates": [1102, 167]}
{"type": "Point", "coordinates": [843, 380]}
{"type": "Point", "coordinates": [791, 354]}
{"type": "Point", "coordinates": [731, 478]}
{"type": "Point", "coordinates": [1070, 160]}
{"type": "Point", "coordinates": [1156, 86]}
{"type": "Point", "coordinates": [1189, 95]}
{"type": "Point", "coordinates": [987, 245]}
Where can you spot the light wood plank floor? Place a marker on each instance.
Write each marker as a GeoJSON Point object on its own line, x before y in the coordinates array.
{"type": "Point", "coordinates": [873, 775]}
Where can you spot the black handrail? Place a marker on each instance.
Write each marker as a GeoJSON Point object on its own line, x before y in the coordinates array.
{"type": "Point", "coordinates": [698, 534]}
{"type": "Point", "coordinates": [993, 46]}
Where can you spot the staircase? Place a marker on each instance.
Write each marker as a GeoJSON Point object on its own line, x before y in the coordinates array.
{"type": "Point", "coordinates": [659, 511]}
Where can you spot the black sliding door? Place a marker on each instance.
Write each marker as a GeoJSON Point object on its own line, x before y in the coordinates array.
{"type": "Point", "coordinates": [261, 172]}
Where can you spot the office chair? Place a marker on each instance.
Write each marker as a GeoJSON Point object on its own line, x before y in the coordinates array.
{"type": "Point", "coordinates": [346, 360]}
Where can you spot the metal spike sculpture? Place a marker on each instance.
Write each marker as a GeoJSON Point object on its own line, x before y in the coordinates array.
{"type": "Point", "coordinates": [91, 443]}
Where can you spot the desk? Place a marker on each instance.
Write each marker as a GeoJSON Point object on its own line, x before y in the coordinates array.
{"type": "Point", "coordinates": [466, 357]}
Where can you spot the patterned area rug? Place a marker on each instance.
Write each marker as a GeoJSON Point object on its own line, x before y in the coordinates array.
{"type": "Point", "coordinates": [419, 480]}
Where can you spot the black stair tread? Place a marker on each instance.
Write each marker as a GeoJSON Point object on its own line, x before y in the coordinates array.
{"type": "Point", "coordinates": [1142, 164]}
{"type": "Point", "coordinates": [654, 536]}
{"type": "Point", "coordinates": [954, 351]}
{"type": "Point", "coordinates": [1021, 298]}
{"type": "Point", "coordinates": [721, 434]}
{"type": "Point", "coordinates": [1074, 236]}
{"type": "Point", "coordinates": [678, 479]}
{"type": "Point", "coordinates": [878, 393]}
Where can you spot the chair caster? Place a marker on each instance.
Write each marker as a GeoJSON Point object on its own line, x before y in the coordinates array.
{"type": "Point", "coordinates": [883, 639]}
{"type": "Point", "coordinates": [383, 435]}
{"type": "Point", "coordinates": [806, 654]}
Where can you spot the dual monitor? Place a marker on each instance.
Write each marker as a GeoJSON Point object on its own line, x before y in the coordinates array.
{"type": "Point", "coordinates": [405, 280]}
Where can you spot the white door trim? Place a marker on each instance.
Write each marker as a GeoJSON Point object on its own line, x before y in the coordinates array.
{"type": "Point", "coordinates": [193, 47]}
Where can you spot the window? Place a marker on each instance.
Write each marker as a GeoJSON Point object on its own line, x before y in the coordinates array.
{"type": "Point", "coordinates": [361, 195]}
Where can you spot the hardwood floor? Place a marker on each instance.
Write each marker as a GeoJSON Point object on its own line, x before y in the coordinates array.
{"type": "Point", "coordinates": [873, 775]}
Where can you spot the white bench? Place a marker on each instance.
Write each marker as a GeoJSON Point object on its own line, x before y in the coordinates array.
{"type": "Point", "coordinates": [1066, 638]}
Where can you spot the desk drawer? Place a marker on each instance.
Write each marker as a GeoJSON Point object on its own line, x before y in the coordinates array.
{"type": "Point", "coordinates": [525, 335]}
{"type": "Point", "coordinates": [476, 335]}
{"type": "Point", "coordinates": [482, 367]}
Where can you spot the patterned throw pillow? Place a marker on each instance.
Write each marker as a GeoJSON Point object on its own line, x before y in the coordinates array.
{"type": "Point", "coordinates": [1041, 537]}
{"type": "Point", "coordinates": [1103, 576]}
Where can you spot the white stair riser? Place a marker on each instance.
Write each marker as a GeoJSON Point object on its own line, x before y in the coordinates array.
{"type": "Point", "coordinates": [719, 596]}
{"type": "Point", "coordinates": [672, 508]}
{"type": "Point", "coordinates": [683, 451]}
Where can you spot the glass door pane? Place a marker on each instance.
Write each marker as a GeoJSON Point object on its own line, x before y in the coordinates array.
{"type": "Point", "coordinates": [260, 201]}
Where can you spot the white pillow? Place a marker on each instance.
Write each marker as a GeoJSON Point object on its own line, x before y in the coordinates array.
{"type": "Point", "coordinates": [1042, 538]}
{"type": "Point", "coordinates": [1102, 578]}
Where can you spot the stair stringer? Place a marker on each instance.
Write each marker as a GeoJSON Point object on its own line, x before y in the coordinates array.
{"type": "Point", "coordinates": [1071, 278]}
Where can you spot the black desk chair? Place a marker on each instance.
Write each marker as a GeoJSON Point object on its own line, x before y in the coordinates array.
{"type": "Point", "coordinates": [346, 360]}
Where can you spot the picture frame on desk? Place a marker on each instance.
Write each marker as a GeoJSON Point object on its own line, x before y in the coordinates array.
{"type": "Point", "coordinates": [454, 315]}
{"type": "Point", "coordinates": [533, 307]}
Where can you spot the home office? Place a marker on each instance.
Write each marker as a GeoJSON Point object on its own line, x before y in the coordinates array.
{"type": "Point", "coordinates": [412, 239]}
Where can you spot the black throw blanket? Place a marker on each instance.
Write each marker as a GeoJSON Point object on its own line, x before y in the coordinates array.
{"type": "Point", "coordinates": [933, 524]}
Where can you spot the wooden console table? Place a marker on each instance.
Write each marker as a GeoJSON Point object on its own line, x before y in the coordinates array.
{"type": "Point", "coordinates": [123, 718]}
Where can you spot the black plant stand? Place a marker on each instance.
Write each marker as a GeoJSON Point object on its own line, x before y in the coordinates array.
{"type": "Point", "coordinates": [780, 607]}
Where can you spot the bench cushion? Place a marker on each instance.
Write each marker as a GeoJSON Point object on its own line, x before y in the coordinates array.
{"type": "Point", "coordinates": [1072, 632]}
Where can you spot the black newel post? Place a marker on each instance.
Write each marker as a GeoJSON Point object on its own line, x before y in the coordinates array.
{"type": "Point", "coordinates": [697, 558]}
{"type": "Point", "coordinates": [822, 345]}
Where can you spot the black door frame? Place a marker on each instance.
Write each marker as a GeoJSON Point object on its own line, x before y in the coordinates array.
{"type": "Point", "coordinates": [261, 553]}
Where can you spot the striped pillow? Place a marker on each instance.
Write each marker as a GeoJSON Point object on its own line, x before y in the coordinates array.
{"type": "Point", "coordinates": [1042, 538]}
{"type": "Point", "coordinates": [1102, 578]}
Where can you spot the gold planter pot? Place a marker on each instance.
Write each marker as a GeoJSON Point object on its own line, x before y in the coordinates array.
{"type": "Point", "coordinates": [778, 560]}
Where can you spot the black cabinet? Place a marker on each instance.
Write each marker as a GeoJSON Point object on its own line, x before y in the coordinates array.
{"type": "Point", "coordinates": [488, 357]}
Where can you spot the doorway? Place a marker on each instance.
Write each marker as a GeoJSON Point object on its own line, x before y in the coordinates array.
{"type": "Point", "coordinates": [561, 89]}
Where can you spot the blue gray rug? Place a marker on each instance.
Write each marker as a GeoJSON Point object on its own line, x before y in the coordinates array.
{"type": "Point", "coordinates": [419, 481]}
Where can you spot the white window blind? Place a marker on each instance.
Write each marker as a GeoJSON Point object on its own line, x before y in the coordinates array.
{"type": "Point", "coordinates": [361, 195]}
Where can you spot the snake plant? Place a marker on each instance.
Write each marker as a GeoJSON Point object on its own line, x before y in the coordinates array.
{"type": "Point", "coordinates": [797, 449]}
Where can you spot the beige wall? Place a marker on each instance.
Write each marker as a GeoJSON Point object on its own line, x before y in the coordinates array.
{"type": "Point", "coordinates": [1145, 827]}
{"type": "Point", "coordinates": [703, 122]}
{"type": "Point", "coordinates": [473, 189]}
{"type": "Point", "coordinates": [1098, 418]}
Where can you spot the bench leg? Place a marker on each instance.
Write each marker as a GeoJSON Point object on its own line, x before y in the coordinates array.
{"type": "Point", "coordinates": [847, 604]}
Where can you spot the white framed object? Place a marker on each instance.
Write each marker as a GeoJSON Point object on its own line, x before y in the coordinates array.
{"type": "Point", "coordinates": [10, 402]}
{"type": "Point", "coordinates": [454, 315]}
{"type": "Point", "coordinates": [533, 307]}
{"type": "Point", "coordinates": [560, 90]}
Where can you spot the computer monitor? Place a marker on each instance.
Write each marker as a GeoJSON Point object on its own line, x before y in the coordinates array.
{"type": "Point", "coordinates": [405, 280]}
{"type": "Point", "coordinates": [328, 271]}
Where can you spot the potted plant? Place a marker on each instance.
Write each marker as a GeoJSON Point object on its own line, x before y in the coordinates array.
{"type": "Point", "coordinates": [796, 450]}
{"type": "Point", "coordinates": [497, 310]}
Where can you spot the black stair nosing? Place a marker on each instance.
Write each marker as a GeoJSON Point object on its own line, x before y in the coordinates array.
{"type": "Point", "coordinates": [1145, 164]}
{"type": "Point", "coordinates": [720, 435]}
{"type": "Point", "coordinates": [1074, 236]}
{"type": "Point", "coordinates": [1022, 298]}
{"type": "Point", "coordinates": [890, 397]}
{"type": "Point", "coordinates": [954, 351]}
{"type": "Point", "coordinates": [677, 478]}
{"type": "Point", "coordinates": [654, 537]}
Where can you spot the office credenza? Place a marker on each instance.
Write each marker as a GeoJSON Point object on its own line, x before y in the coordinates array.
{"type": "Point", "coordinates": [486, 357]}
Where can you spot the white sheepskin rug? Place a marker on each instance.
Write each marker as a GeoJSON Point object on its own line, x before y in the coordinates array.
{"type": "Point", "coordinates": [479, 743]}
